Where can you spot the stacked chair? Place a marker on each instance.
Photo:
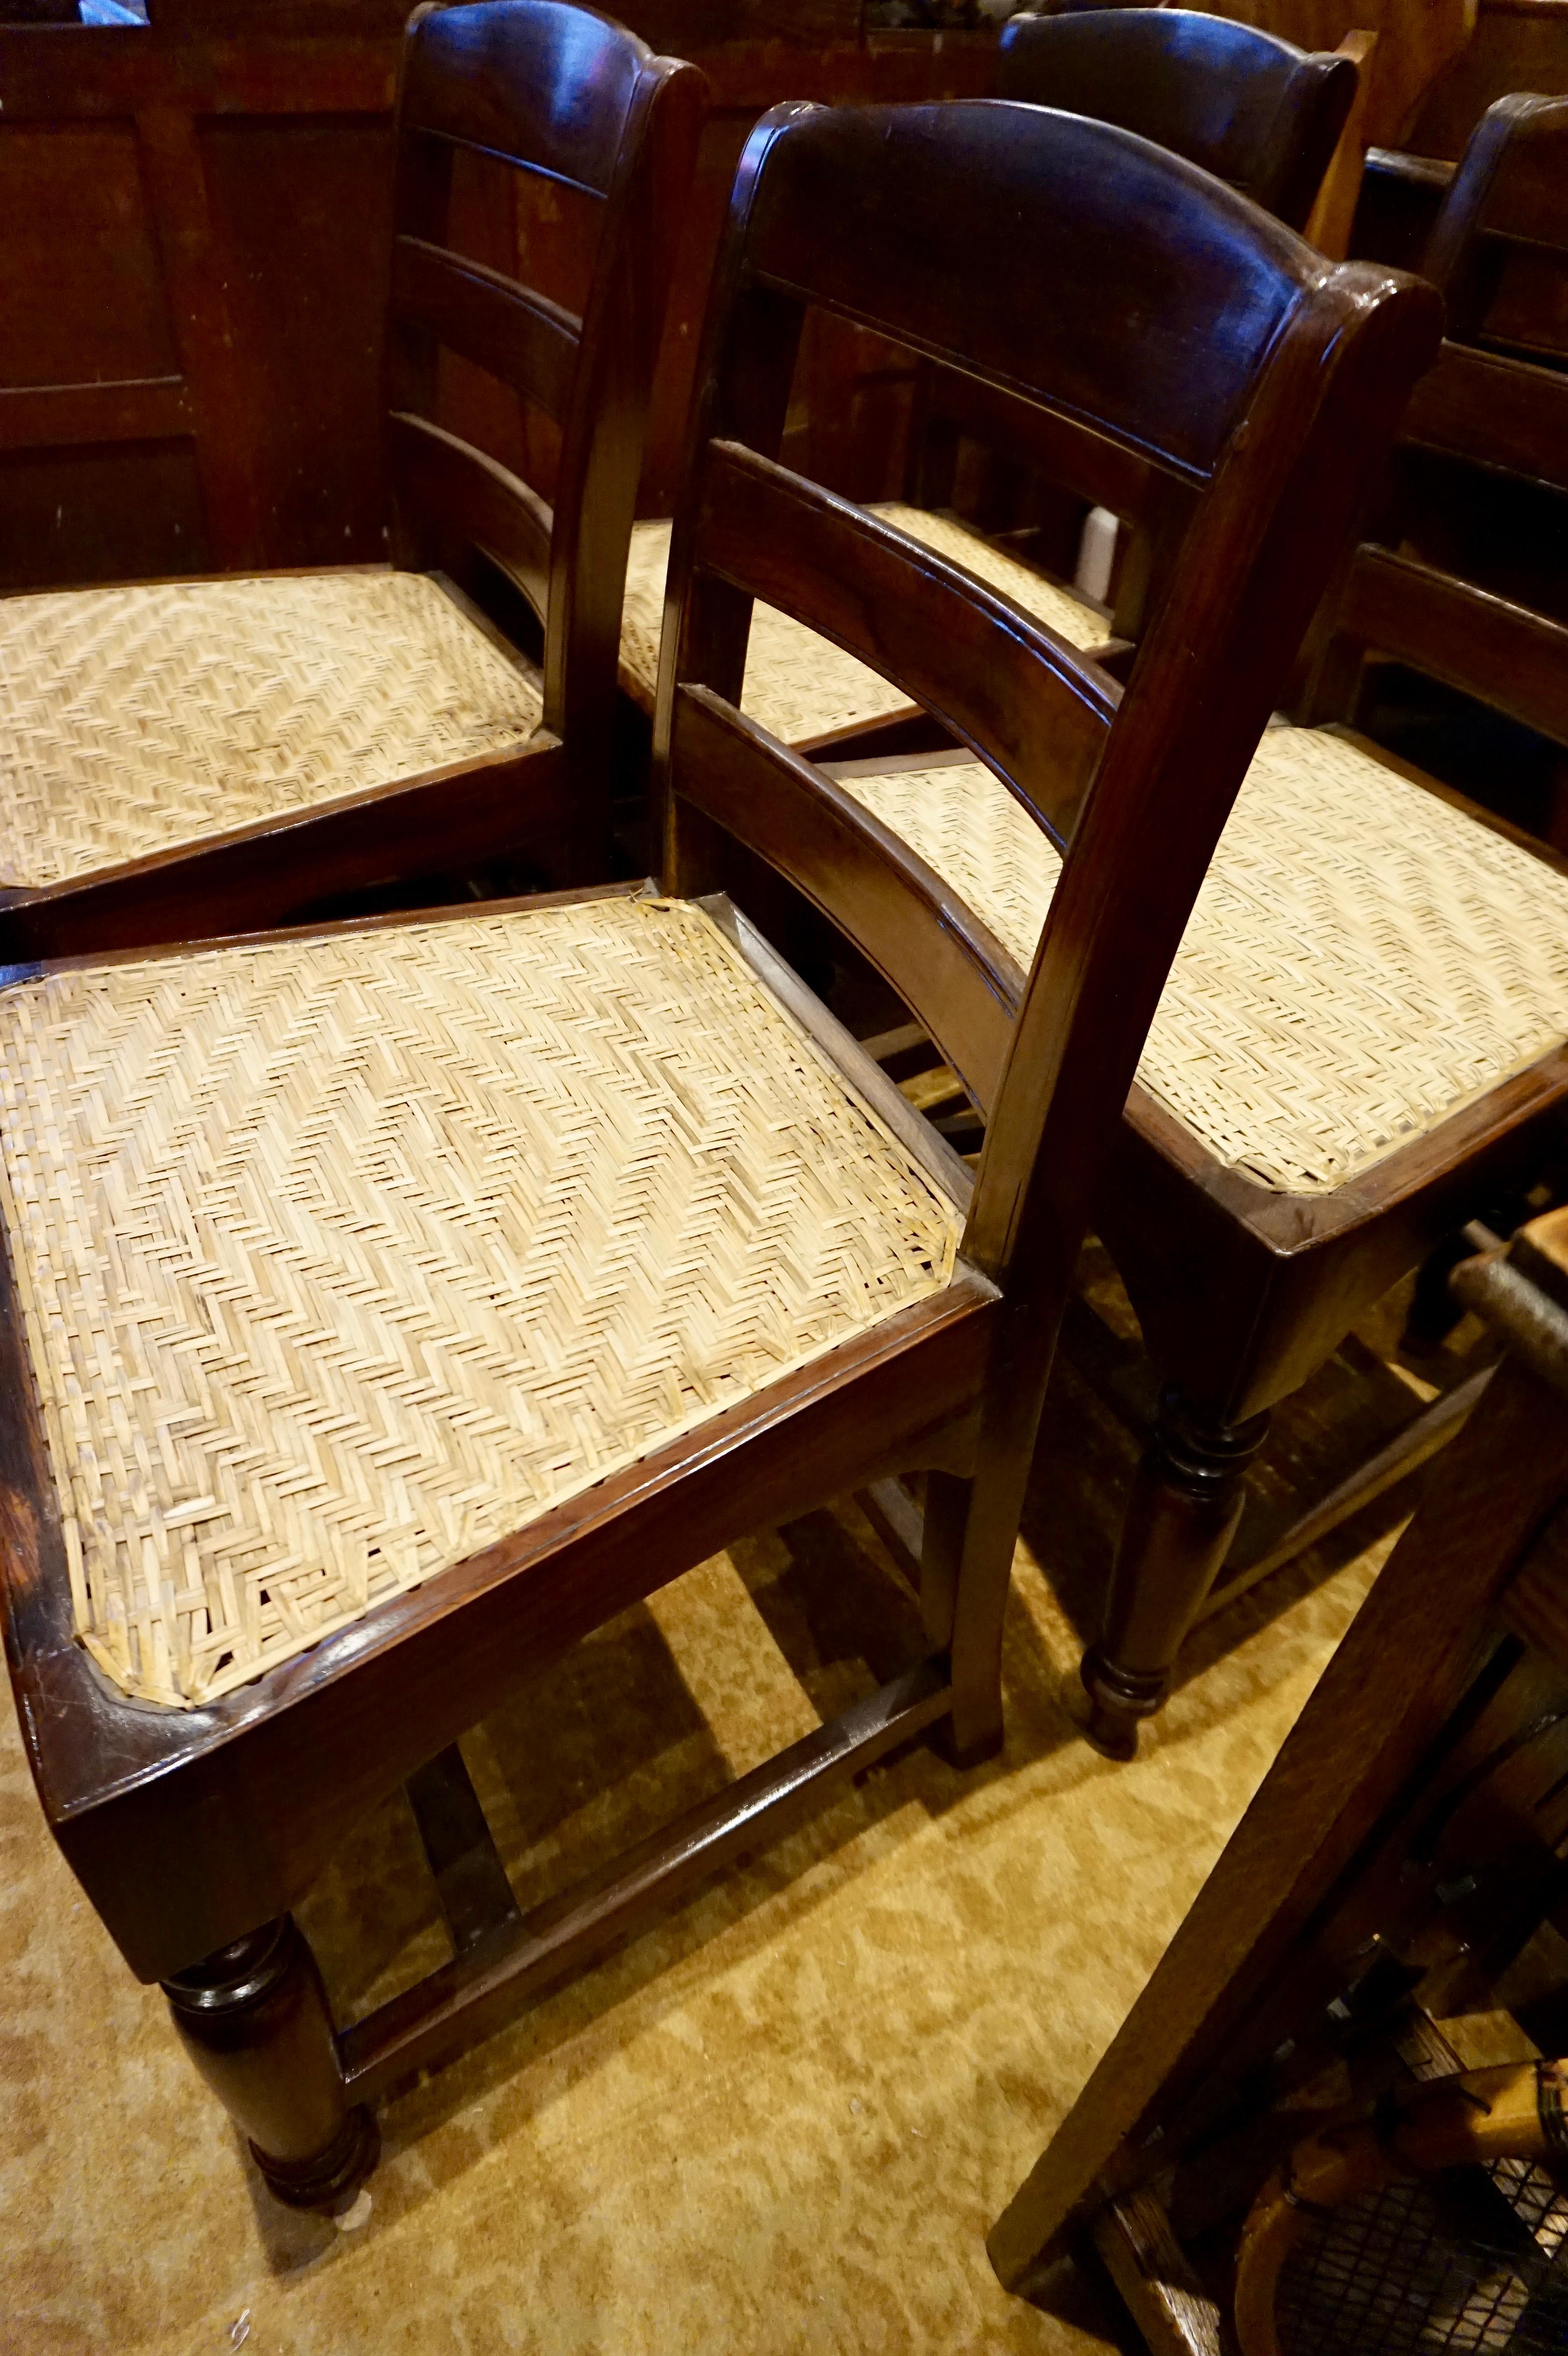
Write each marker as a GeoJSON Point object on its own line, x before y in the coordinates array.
{"type": "Point", "coordinates": [1255, 110]}
{"type": "Point", "coordinates": [1366, 1034]}
{"type": "Point", "coordinates": [189, 756]}
{"type": "Point", "coordinates": [390, 1303]}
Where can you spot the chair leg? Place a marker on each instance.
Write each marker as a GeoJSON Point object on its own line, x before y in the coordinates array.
{"type": "Point", "coordinates": [966, 1566]}
{"type": "Point", "coordinates": [1186, 1503]}
{"type": "Point", "coordinates": [254, 2018]}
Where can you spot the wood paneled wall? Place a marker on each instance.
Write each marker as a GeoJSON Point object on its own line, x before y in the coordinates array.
{"type": "Point", "coordinates": [193, 265]}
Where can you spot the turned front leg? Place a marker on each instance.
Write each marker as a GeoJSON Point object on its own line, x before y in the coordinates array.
{"type": "Point", "coordinates": [254, 2020]}
{"type": "Point", "coordinates": [1181, 1517]}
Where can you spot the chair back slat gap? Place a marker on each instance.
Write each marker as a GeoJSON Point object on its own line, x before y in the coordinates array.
{"type": "Point", "coordinates": [1034, 709]}
{"type": "Point", "coordinates": [1107, 471]}
{"type": "Point", "coordinates": [1463, 636]}
{"type": "Point", "coordinates": [522, 163]}
{"type": "Point", "coordinates": [943, 960]}
{"type": "Point", "coordinates": [477, 498]}
{"type": "Point", "coordinates": [524, 338]}
{"type": "Point", "coordinates": [1503, 414]}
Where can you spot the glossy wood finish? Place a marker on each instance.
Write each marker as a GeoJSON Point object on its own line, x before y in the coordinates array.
{"type": "Point", "coordinates": [1395, 1861]}
{"type": "Point", "coordinates": [254, 2020]}
{"type": "Point", "coordinates": [569, 99]}
{"type": "Point", "coordinates": [1260, 113]}
{"type": "Point", "coordinates": [1258, 1288]}
{"type": "Point", "coordinates": [189, 1828]}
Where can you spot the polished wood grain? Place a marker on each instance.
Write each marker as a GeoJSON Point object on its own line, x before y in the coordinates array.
{"type": "Point", "coordinates": [189, 1829]}
{"type": "Point", "coordinates": [1255, 110]}
{"type": "Point", "coordinates": [1261, 1288]}
{"type": "Point", "coordinates": [1258, 113]}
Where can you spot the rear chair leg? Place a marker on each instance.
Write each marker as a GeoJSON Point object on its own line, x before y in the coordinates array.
{"type": "Point", "coordinates": [965, 1570]}
{"type": "Point", "coordinates": [1186, 1503]}
{"type": "Point", "coordinates": [254, 2018]}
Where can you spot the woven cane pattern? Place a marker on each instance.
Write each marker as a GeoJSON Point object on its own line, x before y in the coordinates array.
{"type": "Point", "coordinates": [134, 719]}
{"type": "Point", "coordinates": [342, 1260]}
{"type": "Point", "coordinates": [798, 684]}
{"type": "Point", "coordinates": [1363, 961]}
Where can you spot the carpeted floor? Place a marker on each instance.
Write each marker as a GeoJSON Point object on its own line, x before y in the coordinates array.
{"type": "Point", "coordinates": [780, 2123]}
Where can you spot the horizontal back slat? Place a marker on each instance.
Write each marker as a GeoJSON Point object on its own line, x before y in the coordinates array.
{"type": "Point", "coordinates": [522, 337]}
{"type": "Point", "coordinates": [1498, 412]}
{"type": "Point", "coordinates": [1503, 654]}
{"type": "Point", "coordinates": [1024, 700]}
{"type": "Point", "coordinates": [553, 101]}
{"type": "Point", "coordinates": [1105, 473]}
{"type": "Point", "coordinates": [1205, 285]}
{"type": "Point", "coordinates": [936, 953]}
{"type": "Point", "coordinates": [477, 498]}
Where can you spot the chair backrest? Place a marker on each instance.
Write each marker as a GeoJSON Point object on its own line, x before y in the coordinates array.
{"type": "Point", "coordinates": [1499, 248]}
{"type": "Point", "coordinates": [1494, 409]}
{"type": "Point", "coordinates": [1258, 113]}
{"type": "Point", "coordinates": [574, 99]}
{"type": "Point", "coordinates": [1128, 300]}
{"type": "Point", "coordinates": [1255, 110]}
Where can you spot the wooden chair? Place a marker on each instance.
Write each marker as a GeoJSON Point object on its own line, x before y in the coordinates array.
{"type": "Point", "coordinates": [1261, 114]}
{"type": "Point", "coordinates": [1386, 1918]}
{"type": "Point", "coordinates": [188, 755]}
{"type": "Point", "coordinates": [390, 1304]}
{"type": "Point", "coordinates": [1400, 990]}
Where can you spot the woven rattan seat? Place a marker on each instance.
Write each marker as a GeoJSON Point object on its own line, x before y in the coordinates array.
{"type": "Point", "coordinates": [800, 685]}
{"type": "Point", "coordinates": [1363, 959]}
{"type": "Point", "coordinates": [139, 719]}
{"type": "Point", "coordinates": [402, 1237]}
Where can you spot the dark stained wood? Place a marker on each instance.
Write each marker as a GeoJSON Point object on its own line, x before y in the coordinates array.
{"type": "Point", "coordinates": [912, 927]}
{"type": "Point", "coordinates": [589, 95]}
{"type": "Point", "coordinates": [1252, 109]}
{"type": "Point", "coordinates": [188, 1828]}
{"type": "Point", "coordinates": [476, 311]}
{"type": "Point", "coordinates": [1258, 1289]}
{"type": "Point", "coordinates": [1499, 652]}
{"type": "Point", "coordinates": [159, 184]}
{"type": "Point", "coordinates": [508, 1965]}
{"type": "Point", "coordinates": [254, 2020]}
{"type": "Point", "coordinates": [471, 1882]}
{"type": "Point", "coordinates": [1255, 110]}
{"type": "Point", "coordinates": [1341, 1907]}
{"type": "Point", "coordinates": [478, 500]}
{"type": "Point", "coordinates": [869, 588]}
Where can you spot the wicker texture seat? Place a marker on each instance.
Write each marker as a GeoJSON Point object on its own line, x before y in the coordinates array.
{"type": "Point", "coordinates": [800, 685]}
{"type": "Point", "coordinates": [139, 719]}
{"type": "Point", "coordinates": [341, 1260]}
{"type": "Point", "coordinates": [1363, 961]}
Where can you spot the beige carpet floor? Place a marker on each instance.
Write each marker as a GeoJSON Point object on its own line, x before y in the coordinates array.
{"type": "Point", "coordinates": [780, 2123]}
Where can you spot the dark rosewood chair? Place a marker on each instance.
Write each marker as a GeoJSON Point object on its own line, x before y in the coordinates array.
{"type": "Point", "coordinates": [1255, 110]}
{"type": "Point", "coordinates": [1366, 1034]}
{"type": "Point", "coordinates": [189, 755]}
{"type": "Point", "coordinates": [387, 1305]}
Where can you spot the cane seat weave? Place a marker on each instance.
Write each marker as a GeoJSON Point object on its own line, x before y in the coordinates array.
{"type": "Point", "coordinates": [341, 1259]}
{"type": "Point", "coordinates": [1363, 958]}
{"type": "Point", "coordinates": [138, 719]}
{"type": "Point", "coordinates": [798, 684]}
